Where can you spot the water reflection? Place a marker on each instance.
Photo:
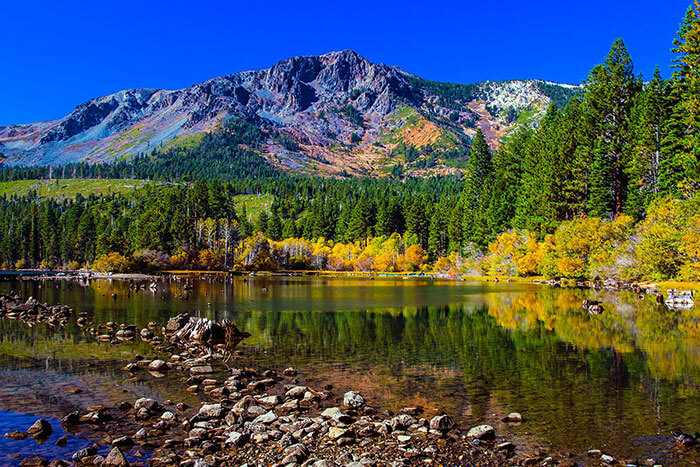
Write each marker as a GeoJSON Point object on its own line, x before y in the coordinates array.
{"type": "Point", "coordinates": [616, 381]}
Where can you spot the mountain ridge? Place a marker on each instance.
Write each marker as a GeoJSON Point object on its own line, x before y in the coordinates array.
{"type": "Point", "coordinates": [324, 114]}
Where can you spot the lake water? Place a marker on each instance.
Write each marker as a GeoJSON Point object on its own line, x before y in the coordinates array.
{"type": "Point", "coordinates": [617, 382]}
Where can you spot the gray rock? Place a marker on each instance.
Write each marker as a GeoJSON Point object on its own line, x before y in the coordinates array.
{"type": "Point", "coordinates": [441, 423]}
{"type": "Point", "coordinates": [483, 432]}
{"type": "Point", "coordinates": [514, 417]}
{"type": "Point", "coordinates": [209, 411]}
{"type": "Point", "coordinates": [237, 439]}
{"type": "Point", "coordinates": [201, 370]}
{"type": "Point", "coordinates": [336, 432]}
{"type": "Point", "coordinates": [157, 365]}
{"type": "Point", "coordinates": [401, 422]}
{"type": "Point", "coordinates": [296, 391]}
{"type": "Point", "coordinates": [148, 404]}
{"type": "Point", "coordinates": [331, 412]}
{"type": "Point", "coordinates": [353, 399]}
{"type": "Point", "coordinates": [115, 458]}
{"type": "Point", "coordinates": [266, 419]}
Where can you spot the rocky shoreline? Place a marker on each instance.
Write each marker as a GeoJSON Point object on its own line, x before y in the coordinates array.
{"type": "Point", "coordinates": [255, 417]}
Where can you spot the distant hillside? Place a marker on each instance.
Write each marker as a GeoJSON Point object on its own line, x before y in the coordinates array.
{"type": "Point", "coordinates": [331, 114]}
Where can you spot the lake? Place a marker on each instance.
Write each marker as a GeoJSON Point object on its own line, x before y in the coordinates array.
{"type": "Point", "coordinates": [618, 381]}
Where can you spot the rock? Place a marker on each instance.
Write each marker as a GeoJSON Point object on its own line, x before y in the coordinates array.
{"type": "Point", "coordinates": [336, 432]}
{"type": "Point", "coordinates": [158, 365]}
{"type": "Point", "coordinates": [40, 429]}
{"type": "Point", "coordinates": [209, 411]}
{"type": "Point", "coordinates": [296, 392]}
{"type": "Point", "coordinates": [266, 419]}
{"type": "Point", "coordinates": [71, 419]}
{"type": "Point", "coordinates": [513, 417]}
{"type": "Point", "coordinates": [507, 446]}
{"type": "Point", "coordinates": [401, 422]}
{"type": "Point", "coordinates": [289, 406]}
{"type": "Point", "coordinates": [343, 419]}
{"type": "Point", "coordinates": [16, 435]}
{"type": "Point", "coordinates": [34, 462]}
{"type": "Point", "coordinates": [331, 412]}
{"type": "Point", "coordinates": [353, 399]}
{"type": "Point", "coordinates": [269, 402]}
{"type": "Point", "coordinates": [124, 441]}
{"type": "Point", "coordinates": [115, 458]}
{"type": "Point", "coordinates": [289, 372]}
{"type": "Point", "coordinates": [201, 370]}
{"type": "Point", "coordinates": [149, 404]}
{"type": "Point", "coordinates": [483, 432]}
{"type": "Point", "coordinates": [594, 453]}
{"type": "Point", "coordinates": [441, 423]}
{"type": "Point", "coordinates": [415, 411]}
{"type": "Point", "coordinates": [83, 453]}
{"type": "Point", "coordinates": [295, 453]}
{"type": "Point", "coordinates": [237, 439]}
{"type": "Point", "coordinates": [403, 438]}
{"type": "Point", "coordinates": [62, 441]}
{"type": "Point", "coordinates": [606, 459]}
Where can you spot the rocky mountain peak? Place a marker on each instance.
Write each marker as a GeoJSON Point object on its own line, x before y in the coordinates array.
{"type": "Point", "coordinates": [339, 111]}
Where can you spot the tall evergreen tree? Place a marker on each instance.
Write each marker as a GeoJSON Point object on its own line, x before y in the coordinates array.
{"type": "Point", "coordinates": [611, 90]}
{"type": "Point", "coordinates": [479, 170]}
{"type": "Point", "coordinates": [680, 172]}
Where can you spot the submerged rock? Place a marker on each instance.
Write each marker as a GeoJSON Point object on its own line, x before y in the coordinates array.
{"type": "Point", "coordinates": [16, 435]}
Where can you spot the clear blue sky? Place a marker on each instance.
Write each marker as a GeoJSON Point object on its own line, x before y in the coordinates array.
{"type": "Point", "coordinates": [56, 55]}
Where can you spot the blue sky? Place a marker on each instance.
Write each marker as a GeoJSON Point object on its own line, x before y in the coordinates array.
{"type": "Point", "coordinates": [56, 55]}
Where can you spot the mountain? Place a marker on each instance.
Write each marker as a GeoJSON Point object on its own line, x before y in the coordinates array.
{"type": "Point", "coordinates": [328, 114]}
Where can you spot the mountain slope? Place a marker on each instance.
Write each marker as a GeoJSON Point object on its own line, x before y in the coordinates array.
{"type": "Point", "coordinates": [329, 114]}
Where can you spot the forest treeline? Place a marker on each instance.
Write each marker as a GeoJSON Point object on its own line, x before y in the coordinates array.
{"type": "Point", "coordinates": [605, 186]}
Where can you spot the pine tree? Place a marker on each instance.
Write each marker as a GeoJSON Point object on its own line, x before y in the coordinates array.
{"type": "Point", "coordinates": [417, 222]}
{"type": "Point", "coordinates": [611, 90]}
{"type": "Point", "coordinates": [648, 122]}
{"type": "Point", "coordinates": [507, 177]}
{"type": "Point", "coordinates": [478, 171]}
{"type": "Point", "coordinates": [681, 171]}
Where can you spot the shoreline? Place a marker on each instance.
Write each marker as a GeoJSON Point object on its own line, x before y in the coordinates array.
{"type": "Point", "coordinates": [262, 415]}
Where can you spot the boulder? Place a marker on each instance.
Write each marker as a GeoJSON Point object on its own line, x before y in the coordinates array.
{"type": "Point", "coordinates": [441, 423]}
{"type": "Point", "coordinates": [484, 432]}
{"type": "Point", "coordinates": [401, 422]}
{"type": "Point", "coordinates": [353, 399]}
{"type": "Point", "coordinates": [237, 439]}
{"type": "Point", "coordinates": [115, 458]}
{"type": "Point", "coordinates": [266, 419]}
{"type": "Point", "coordinates": [149, 404]}
{"type": "Point", "coordinates": [514, 417]}
{"type": "Point", "coordinates": [40, 429]}
{"type": "Point", "coordinates": [158, 365]}
{"type": "Point", "coordinates": [209, 411]}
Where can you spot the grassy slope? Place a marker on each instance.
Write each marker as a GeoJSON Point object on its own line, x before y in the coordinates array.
{"type": "Point", "coordinates": [69, 188]}
{"type": "Point", "coordinates": [254, 204]}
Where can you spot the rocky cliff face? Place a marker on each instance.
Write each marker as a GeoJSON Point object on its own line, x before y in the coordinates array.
{"type": "Point", "coordinates": [340, 112]}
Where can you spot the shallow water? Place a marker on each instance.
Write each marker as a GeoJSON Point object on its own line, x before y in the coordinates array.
{"type": "Point", "coordinates": [617, 382]}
